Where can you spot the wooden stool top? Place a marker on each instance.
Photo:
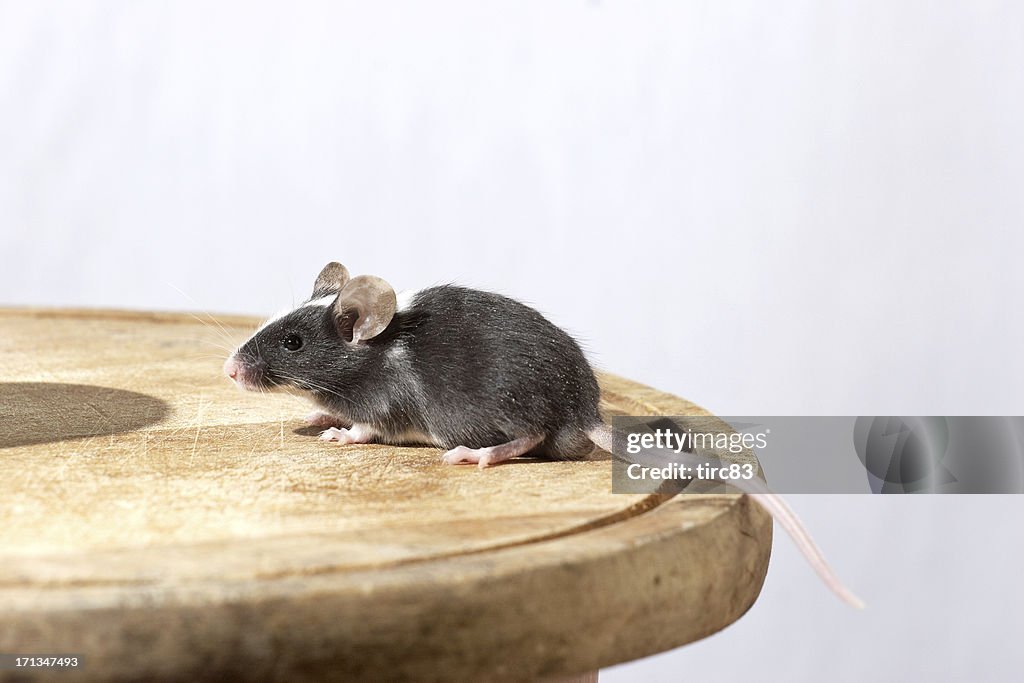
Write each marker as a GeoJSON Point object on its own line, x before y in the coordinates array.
{"type": "Point", "coordinates": [162, 523]}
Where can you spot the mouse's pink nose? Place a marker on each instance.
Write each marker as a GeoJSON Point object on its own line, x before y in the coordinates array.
{"type": "Point", "coordinates": [232, 367]}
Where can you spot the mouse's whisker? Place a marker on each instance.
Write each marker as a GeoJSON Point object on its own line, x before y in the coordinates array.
{"type": "Point", "coordinates": [211, 318]}
{"type": "Point", "coordinates": [213, 325]}
{"type": "Point", "coordinates": [205, 342]}
{"type": "Point", "coordinates": [314, 385]}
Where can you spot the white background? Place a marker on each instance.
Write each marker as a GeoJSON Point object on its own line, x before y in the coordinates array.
{"type": "Point", "coordinates": [769, 208]}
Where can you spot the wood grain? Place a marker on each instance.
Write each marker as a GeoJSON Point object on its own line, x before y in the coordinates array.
{"type": "Point", "coordinates": [167, 525]}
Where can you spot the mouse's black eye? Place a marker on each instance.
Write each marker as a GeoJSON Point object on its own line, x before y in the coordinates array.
{"type": "Point", "coordinates": [292, 342]}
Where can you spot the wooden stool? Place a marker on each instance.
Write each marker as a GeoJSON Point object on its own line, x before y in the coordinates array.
{"type": "Point", "coordinates": [165, 525]}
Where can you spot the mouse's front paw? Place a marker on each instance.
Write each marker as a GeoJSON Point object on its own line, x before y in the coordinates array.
{"type": "Point", "coordinates": [355, 434]}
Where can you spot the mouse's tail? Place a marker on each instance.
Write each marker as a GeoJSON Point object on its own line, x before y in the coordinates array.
{"type": "Point", "coordinates": [603, 436]}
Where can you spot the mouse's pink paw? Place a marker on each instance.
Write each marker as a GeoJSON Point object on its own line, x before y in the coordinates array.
{"type": "Point", "coordinates": [463, 455]}
{"type": "Point", "coordinates": [355, 434]}
{"type": "Point", "coordinates": [492, 455]}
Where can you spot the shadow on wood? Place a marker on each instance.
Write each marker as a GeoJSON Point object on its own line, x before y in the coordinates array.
{"type": "Point", "coordinates": [44, 412]}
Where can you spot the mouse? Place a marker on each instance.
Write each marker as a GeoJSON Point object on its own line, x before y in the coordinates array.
{"type": "Point", "coordinates": [477, 374]}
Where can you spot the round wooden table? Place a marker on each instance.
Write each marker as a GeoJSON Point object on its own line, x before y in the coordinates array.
{"type": "Point", "coordinates": [166, 525]}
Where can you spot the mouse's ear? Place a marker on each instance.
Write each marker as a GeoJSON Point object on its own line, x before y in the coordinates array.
{"type": "Point", "coordinates": [331, 279]}
{"type": "Point", "coordinates": [365, 306]}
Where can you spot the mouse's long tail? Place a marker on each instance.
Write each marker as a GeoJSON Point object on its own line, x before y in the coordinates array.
{"type": "Point", "coordinates": [603, 435]}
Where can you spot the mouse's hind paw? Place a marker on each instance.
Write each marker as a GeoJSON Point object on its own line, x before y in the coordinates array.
{"type": "Point", "coordinates": [463, 455]}
{"type": "Point", "coordinates": [491, 455]}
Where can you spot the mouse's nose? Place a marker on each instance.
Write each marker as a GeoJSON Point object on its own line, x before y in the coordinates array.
{"type": "Point", "coordinates": [232, 367]}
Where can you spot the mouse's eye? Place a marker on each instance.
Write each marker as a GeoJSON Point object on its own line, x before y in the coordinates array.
{"type": "Point", "coordinates": [292, 342]}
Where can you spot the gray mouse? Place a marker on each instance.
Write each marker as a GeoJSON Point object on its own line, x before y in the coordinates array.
{"type": "Point", "coordinates": [478, 374]}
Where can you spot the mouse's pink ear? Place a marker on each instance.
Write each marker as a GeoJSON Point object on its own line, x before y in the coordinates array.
{"type": "Point", "coordinates": [331, 279]}
{"type": "Point", "coordinates": [364, 307]}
